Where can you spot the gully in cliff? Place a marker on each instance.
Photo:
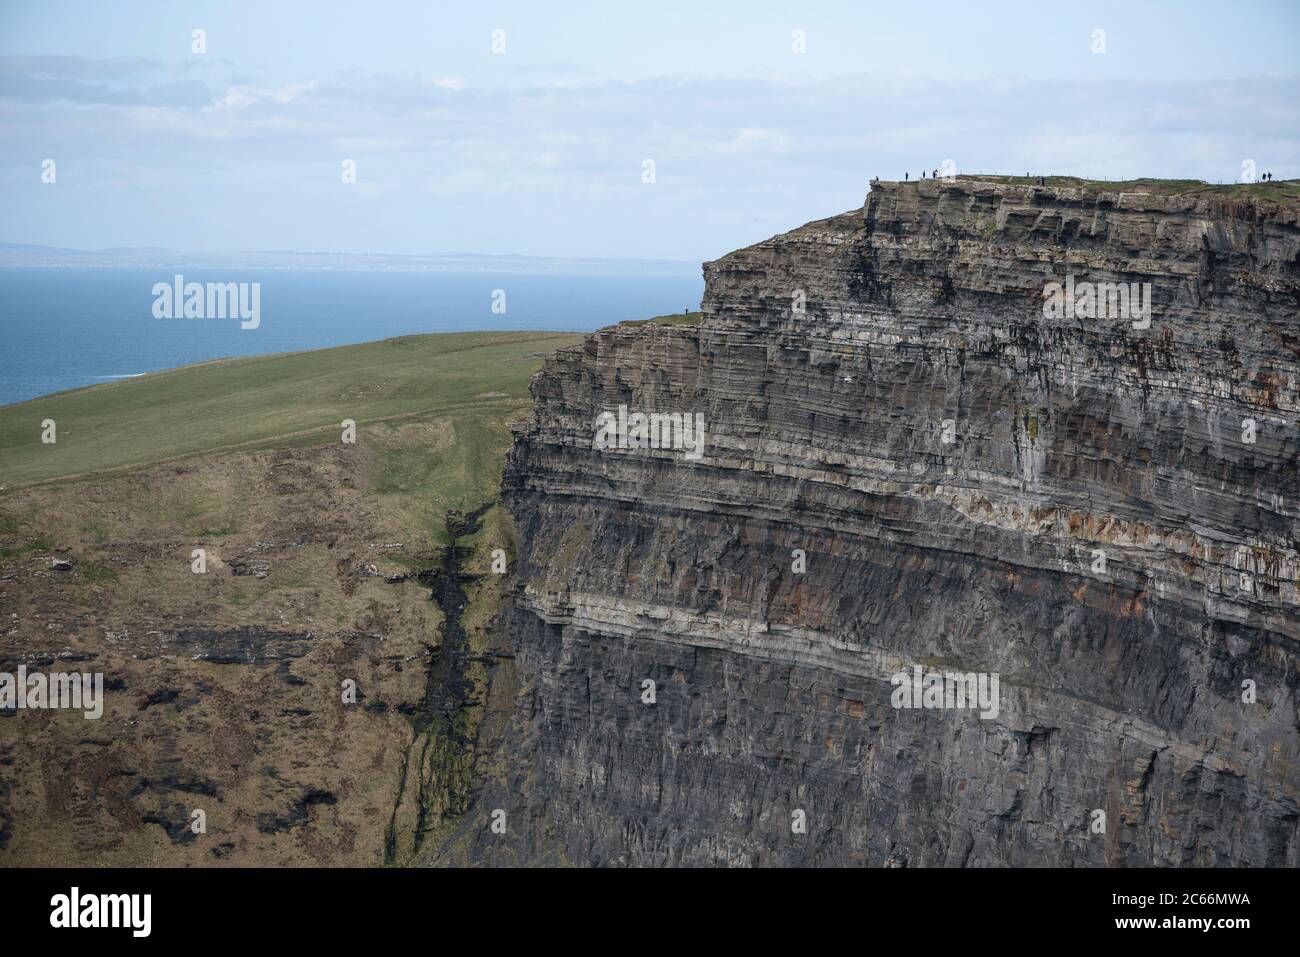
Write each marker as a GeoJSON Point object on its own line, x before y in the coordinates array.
{"type": "Point", "coordinates": [655, 430]}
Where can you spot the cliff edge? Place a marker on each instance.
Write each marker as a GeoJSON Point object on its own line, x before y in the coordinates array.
{"type": "Point", "coordinates": [1043, 433]}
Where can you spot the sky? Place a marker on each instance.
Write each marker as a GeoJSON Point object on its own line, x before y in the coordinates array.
{"type": "Point", "coordinates": [649, 130]}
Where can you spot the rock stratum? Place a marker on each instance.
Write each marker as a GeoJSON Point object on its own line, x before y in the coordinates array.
{"type": "Point", "coordinates": [1104, 515]}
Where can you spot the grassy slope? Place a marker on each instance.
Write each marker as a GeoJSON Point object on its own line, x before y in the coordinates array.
{"type": "Point", "coordinates": [243, 458]}
{"type": "Point", "coordinates": [285, 399]}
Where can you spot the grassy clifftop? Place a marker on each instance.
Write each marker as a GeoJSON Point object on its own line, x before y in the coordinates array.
{"type": "Point", "coordinates": [279, 400]}
{"type": "Point", "coordinates": [1282, 192]}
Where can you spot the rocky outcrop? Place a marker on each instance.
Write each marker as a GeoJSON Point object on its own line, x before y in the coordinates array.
{"type": "Point", "coordinates": [912, 458]}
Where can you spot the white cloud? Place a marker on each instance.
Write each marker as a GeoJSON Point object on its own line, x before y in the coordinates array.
{"type": "Point", "coordinates": [555, 167]}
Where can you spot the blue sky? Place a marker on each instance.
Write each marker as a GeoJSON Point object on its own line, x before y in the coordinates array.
{"type": "Point", "coordinates": [540, 150]}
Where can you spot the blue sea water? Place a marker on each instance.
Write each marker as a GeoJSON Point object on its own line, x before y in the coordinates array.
{"type": "Point", "coordinates": [66, 327]}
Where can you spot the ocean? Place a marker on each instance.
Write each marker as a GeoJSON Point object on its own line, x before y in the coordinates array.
{"type": "Point", "coordinates": [63, 327]}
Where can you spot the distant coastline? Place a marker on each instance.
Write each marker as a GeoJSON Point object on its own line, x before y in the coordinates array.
{"type": "Point", "coordinates": [27, 254]}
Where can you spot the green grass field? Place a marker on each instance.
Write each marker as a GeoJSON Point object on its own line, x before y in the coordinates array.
{"type": "Point", "coordinates": [459, 388]}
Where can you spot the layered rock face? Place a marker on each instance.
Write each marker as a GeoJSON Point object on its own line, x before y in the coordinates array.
{"type": "Point", "coordinates": [908, 462]}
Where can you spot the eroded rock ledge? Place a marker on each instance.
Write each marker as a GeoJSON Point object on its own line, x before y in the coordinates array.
{"type": "Point", "coordinates": [1122, 689]}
